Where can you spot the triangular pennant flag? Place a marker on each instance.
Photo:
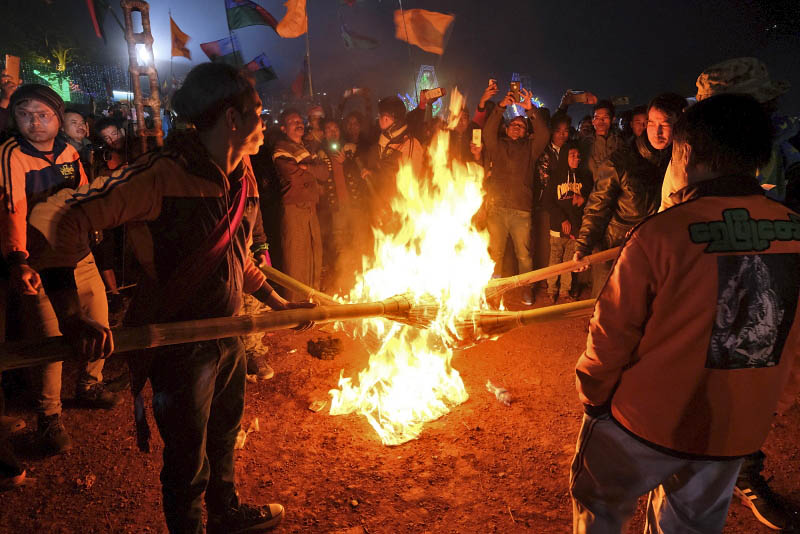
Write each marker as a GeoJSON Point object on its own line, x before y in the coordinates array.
{"type": "Point", "coordinates": [423, 28]}
{"type": "Point", "coordinates": [179, 40]}
{"type": "Point", "coordinates": [262, 69]}
{"type": "Point", "coordinates": [356, 40]}
{"type": "Point", "coordinates": [242, 13]}
{"type": "Point", "coordinates": [295, 22]}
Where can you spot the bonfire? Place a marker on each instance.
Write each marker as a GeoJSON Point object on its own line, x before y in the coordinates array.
{"type": "Point", "coordinates": [437, 255]}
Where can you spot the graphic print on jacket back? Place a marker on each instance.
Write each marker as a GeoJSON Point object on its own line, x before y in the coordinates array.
{"type": "Point", "coordinates": [756, 304]}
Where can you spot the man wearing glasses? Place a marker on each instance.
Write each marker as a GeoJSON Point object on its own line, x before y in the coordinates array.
{"type": "Point", "coordinates": [35, 163]}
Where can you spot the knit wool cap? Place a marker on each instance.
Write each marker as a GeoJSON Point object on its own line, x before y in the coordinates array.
{"type": "Point", "coordinates": [42, 93]}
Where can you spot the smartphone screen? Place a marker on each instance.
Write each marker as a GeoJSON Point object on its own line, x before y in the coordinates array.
{"type": "Point", "coordinates": [476, 137]}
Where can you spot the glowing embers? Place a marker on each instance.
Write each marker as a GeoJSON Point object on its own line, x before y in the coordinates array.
{"type": "Point", "coordinates": [437, 256]}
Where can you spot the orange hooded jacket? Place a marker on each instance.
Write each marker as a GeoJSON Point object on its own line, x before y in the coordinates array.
{"type": "Point", "coordinates": [696, 333]}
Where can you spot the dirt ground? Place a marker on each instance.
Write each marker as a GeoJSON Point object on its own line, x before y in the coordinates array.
{"type": "Point", "coordinates": [482, 468]}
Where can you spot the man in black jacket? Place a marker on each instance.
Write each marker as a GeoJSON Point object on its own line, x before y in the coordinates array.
{"type": "Point", "coordinates": [197, 202]}
{"type": "Point", "coordinates": [509, 188]}
{"type": "Point", "coordinates": [627, 187]}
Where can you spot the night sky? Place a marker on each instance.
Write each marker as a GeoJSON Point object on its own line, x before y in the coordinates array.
{"type": "Point", "coordinates": [633, 48]}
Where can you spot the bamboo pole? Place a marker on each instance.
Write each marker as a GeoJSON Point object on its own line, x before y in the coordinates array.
{"type": "Point", "coordinates": [30, 353]}
{"type": "Point", "coordinates": [307, 292]}
{"type": "Point", "coordinates": [501, 285]}
{"type": "Point", "coordinates": [490, 324]}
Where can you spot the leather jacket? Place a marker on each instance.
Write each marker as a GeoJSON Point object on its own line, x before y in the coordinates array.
{"type": "Point", "coordinates": [627, 189]}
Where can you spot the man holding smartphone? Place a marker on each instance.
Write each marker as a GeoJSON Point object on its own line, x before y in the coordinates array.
{"type": "Point", "coordinates": [8, 84]}
{"type": "Point", "coordinates": [509, 187]}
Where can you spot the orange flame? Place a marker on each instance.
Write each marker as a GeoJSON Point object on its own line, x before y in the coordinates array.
{"type": "Point", "coordinates": [436, 253]}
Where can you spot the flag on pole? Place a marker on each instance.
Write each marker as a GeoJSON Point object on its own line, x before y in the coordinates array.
{"type": "Point", "coordinates": [295, 22]}
{"type": "Point", "coordinates": [179, 40]}
{"type": "Point", "coordinates": [97, 7]}
{"type": "Point", "coordinates": [301, 82]}
{"type": "Point", "coordinates": [356, 40]}
{"type": "Point", "coordinates": [422, 28]}
{"type": "Point", "coordinates": [225, 50]}
{"type": "Point", "coordinates": [261, 68]}
{"type": "Point", "coordinates": [242, 13]}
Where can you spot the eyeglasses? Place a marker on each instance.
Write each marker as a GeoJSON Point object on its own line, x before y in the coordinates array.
{"type": "Point", "coordinates": [44, 117]}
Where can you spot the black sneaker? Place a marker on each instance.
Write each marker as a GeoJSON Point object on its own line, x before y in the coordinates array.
{"type": "Point", "coordinates": [245, 519]}
{"type": "Point", "coordinates": [51, 435]}
{"type": "Point", "coordinates": [257, 365]}
{"type": "Point", "coordinates": [755, 493]}
{"type": "Point", "coordinates": [97, 397]}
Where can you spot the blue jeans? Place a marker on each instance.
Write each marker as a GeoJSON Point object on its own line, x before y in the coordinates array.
{"type": "Point", "coordinates": [502, 222]}
{"type": "Point", "coordinates": [612, 469]}
{"type": "Point", "coordinates": [198, 401]}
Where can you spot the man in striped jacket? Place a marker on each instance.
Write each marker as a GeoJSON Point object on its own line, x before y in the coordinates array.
{"type": "Point", "coordinates": [37, 162]}
{"type": "Point", "coordinates": [195, 203]}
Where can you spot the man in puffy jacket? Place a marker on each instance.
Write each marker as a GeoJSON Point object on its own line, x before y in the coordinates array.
{"type": "Point", "coordinates": [694, 339]}
{"type": "Point", "coordinates": [627, 187]}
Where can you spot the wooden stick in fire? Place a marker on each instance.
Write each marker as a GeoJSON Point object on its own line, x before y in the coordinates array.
{"type": "Point", "coordinates": [422, 313]}
{"type": "Point", "coordinates": [486, 325]}
{"type": "Point", "coordinates": [30, 353]}
{"type": "Point", "coordinates": [501, 285]}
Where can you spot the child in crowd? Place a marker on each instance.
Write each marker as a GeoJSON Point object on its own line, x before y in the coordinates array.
{"type": "Point", "coordinates": [564, 198]}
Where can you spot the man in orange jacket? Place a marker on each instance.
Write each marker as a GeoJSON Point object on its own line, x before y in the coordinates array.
{"type": "Point", "coordinates": [693, 338]}
{"type": "Point", "coordinates": [36, 163]}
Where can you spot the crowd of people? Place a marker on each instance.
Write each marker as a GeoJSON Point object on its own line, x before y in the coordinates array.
{"type": "Point", "coordinates": [234, 189]}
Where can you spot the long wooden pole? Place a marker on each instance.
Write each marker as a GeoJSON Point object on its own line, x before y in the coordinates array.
{"type": "Point", "coordinates": [308, 292]}
{"type": "Point", "coordinates": [501, 285]}
{"type": "Point", "coordinates": [490, 324]}
{"type": "Point", "coordinates": [30, 353]}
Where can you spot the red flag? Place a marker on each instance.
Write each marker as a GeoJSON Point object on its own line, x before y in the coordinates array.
{"type": "Point", "coordinates": [299, 83]}
{"type": "Point", "coordinates": [93, 14]}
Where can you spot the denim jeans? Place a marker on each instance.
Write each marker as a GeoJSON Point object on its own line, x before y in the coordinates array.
{"type": "Point", "coordinates": [612, 469]}
{"type": "Point", "coordinates": [502, 222]}
{"type": "Point", "coordinates": [198, 401]}
{"type": "Point", "coordinates": [561, 249]}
